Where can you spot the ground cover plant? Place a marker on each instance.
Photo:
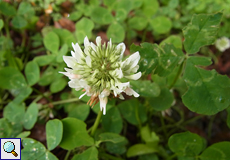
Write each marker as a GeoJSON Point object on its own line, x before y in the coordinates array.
{"type": "Point", "coordinates": [142, 80]}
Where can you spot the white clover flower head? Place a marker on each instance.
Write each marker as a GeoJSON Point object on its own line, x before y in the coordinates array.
{"type": "Point", "coordinates": [222, 44]}
{"type": "Point", "coordinates": [98, 70]}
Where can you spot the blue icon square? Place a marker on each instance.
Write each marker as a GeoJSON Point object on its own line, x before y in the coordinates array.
{"type": "Point", "coordinates": [10, 148]}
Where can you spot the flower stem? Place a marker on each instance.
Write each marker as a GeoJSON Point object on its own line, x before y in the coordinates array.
{"type": "Point", "coordinates": [96, 123]}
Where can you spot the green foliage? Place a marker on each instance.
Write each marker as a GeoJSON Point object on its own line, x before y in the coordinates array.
{"type": "Point", "coordinates": [186, 144]}
{"type": "Point", "coordinates": [74, 134]}
{"type": "Point", "coordinates": [101, 15]}
{"type": "Point", "coordinates": [90, 154]}
{"type": "Point", "coordinates": [35, 150]}
{"type": "Point", "coordinates": [32, 72]}
{"type": "Point", "coordinates": [133, 112]}
{"type": "Point", "coordinates": [116, 32]}
{"type": "Point", "coordinates": [54, 131]}
{"type": "Point", "coordinates": [161, 60]}
{"type": "Point", "coordinates": [51, 42]}
{"type": "Point", "coordinates": [84, 28]}
{"type": "Point", "coordinates": [7, 9]}
{"type": "Point", "coordinates": [112, 121]}
{"type": "Point", "coordinates": [35, 96]}
{"type": "Point", "coordinates": [202, 30]}
{"type": "Point", "coordinates": [140, 149]}
{"type": "Point", "coordinates": [216, 151]}
{"type": "Point", "coordinates": [30, 116]}
{"type": "Point", "coordinates": [161, 24]}
{"type": "Point", "coordinates": [203, 84]}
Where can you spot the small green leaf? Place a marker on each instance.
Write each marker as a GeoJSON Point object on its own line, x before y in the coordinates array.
{"type": "Point", "coordinates": [44, 60]}
{"type": "Point", "coordinates": [116, 32]}
{"type": "Point", "coordinates": [186, 144]}
{"type": "Point", "coordinates": [32, 72]}
{"type": "Point", "coordinates": [146, 88]}
{"type": "Point", "coordinates": [32, 149]}
{"type": "Point", "coordinates": [203, 84]}
{"type": "Point", "coordinates": [201, 31]}
{"type": "Point", "coordinates": [80, 112]}
{"type": "Point", "coordinates": [138, 23]}
{"type": "Point", "coordinates": [84, 28]}
{"type": "Point", "coordinates": [75, 15]}
{"type": "Point", "coordinates": [140, 149]}
{"type": "Point", "coordinates": [6, 130]}
{"type": "Point", "coordinates": [75, 134]}
{"type": "Point", "coordinates": [1, 24]}
{"type": "Point", "coordinates": [54, 131]}
{"type": "Point", "coordinates": [101, 15]}
{"type": "Point", "coordinates": [151, 156]}
{"type": "Point", "coordinates": [133, 111]}
{"type": "Point", "coordinates": [150, 7]}
{"type": "Point", "coordinates": [163, 101]}
{"type": "Point", "coordinates": [7, 9]}
{"type": "Point", "coordinates": [112, 121]}
{"type": "Point", "coordinates": [89, 154]}
{"type": "Point", "coordinates": [65, 36]}
{"type": "Point", "coordinates": [161, 24]}
{"type": "Point", "coordinates": [173, 39]}
{"type": "Point", "coordinates": [126, 5]}
{"type": "Point", "coordinates": [11, 78]}
{"type": "Point", "coordinates": [51, 42]}
{"type": "Point", "coordinates": [19, 22]}
{"type": "Point", "coordinates": [117, 148]}
{"type": "Point", "coordinates": [173, 4]}
{"type": "Point", "coordinates": [48, 76]}
{"type": "Point", "coordinates": [21, 94]}
{"type": "Point", "coordinates": [30, 116]}
{"type": "Point", "coordinates": [148, 136]}
{"type": "Point", "coordinates": [48, 156]}
{"type": "Point", "coordinates": [121, 15]}
{"type": "Point", "coordinates": [58, 85]}
{"type": "Point", "coordinates": [23, 134]}
{"type": "Point", "coordinates": [216, 151]}
{"type": "Point", "coordinates": [26, 10]}
{"type": "Point", "coordinates": [14, 112]}
{"type": "Point", "coordinates": [111, 137]}
{"type": "Point", "coordinates": [61, 53]}
{"type": "Point", "coordinates": [163, 60]}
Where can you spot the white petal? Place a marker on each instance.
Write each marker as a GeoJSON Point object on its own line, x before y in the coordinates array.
{"type": "Point", "coordinates": [88, 61]}
{"type": "Point", "coordinates": [76, 56]}
{"type": "Point", "coordinates": [116, 73]}
{"type": "Point", "coordinates": [75, 84]}
{"type": "Point", "coordinates": [134, 59]}
{"type": "Point", "coordinates": [93, 46]}
{"type": "Point", "coordinates": [134, 76]}
{"type": "Point", "coordinates": [82, 95]}
{"type": "Point", "coordinates": [105, 93]}
{"type": "Point", "coordinates": [86, 42]}
{"type": "Point", "coordinates": [116, 91]}
{"type": "Point", "coordinates": [98, 41]}
{"type": "Point", "coordinates": [77, 50]}
{"type": "Point", "coordinates": [121, 46]}
{"type": "Point", "coordinates": [121, 86]}
{"type": "Point", "coordinates": [121, 96]}
{"type": "Point", "coordinates": [103, 102]}
{"type": "Point", "coordinates": [133, 70]}
{"type": "Point", "coordinates": [129, 91]}
{"type": "Point", "coordinates": [70, 61]}
{"type": "Point", "coordinates": [71, 75]}
{"type": "Point", "coordinates": [109, 44]}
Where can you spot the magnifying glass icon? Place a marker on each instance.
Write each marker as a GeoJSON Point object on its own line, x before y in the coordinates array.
{"type": "Point", "coordinates": [9, 147]}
